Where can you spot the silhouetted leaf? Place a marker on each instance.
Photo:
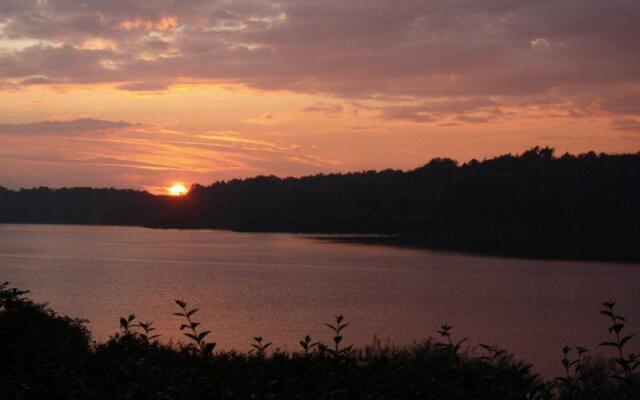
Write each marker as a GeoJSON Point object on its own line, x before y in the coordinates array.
{"type": "Point", "coordinates": [616, 328]}
{"type": "Point", "coordinates": [190, 313]}
{"type": "Point", "coordinates": [192, 336]}
{"type": "Point", "coordinates": [625, 339]}
{"type": "Point", "coordinates": [208, 348]}
{"type": "Point", "coordinates": [202, 335]}
{"type": "Point", "coordinates": [332, 327]}
{"type": "Point", "coordinates": [606, 312]}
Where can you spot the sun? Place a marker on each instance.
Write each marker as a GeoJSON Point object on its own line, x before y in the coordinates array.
{"type": "Point", "coordinates": [177, 189]}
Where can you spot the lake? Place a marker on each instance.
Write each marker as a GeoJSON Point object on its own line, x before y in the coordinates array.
{"type": "Point", "coordinates": [284, 286]}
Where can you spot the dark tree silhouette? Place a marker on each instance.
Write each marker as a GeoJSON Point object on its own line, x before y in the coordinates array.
{"type": "Point", "coordinates": [532, 204]}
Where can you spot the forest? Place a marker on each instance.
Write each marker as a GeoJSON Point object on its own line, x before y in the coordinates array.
{"type": "Point", "coordinates": [534, 204]}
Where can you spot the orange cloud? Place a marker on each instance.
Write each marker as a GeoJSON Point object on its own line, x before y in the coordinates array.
{"type": "Point", "coordinates": [163, 24]}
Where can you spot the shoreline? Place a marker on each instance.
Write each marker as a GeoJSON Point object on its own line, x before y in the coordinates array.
{"type": "Point", "coordinates": [559, 244]}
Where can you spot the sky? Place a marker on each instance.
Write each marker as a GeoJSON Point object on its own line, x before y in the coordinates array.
{"type": "Point", "coordinates": [142, 94]}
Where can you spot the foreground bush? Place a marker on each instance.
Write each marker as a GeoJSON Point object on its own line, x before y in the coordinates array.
{"type": "Point", "coordinates": [47, 356]}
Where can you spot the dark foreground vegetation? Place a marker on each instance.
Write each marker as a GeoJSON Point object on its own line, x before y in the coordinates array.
{"type": "Point", "coordinates": [534, 204]}
{"type": "Point", "coordinates": [47, 356]}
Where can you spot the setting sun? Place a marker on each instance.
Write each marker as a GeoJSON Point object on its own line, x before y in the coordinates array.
{"type": "Point", "coordinates": [177, 189]}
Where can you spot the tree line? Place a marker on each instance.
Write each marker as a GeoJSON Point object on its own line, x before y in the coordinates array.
{"type": "Point", "coordinates": [587, 202]}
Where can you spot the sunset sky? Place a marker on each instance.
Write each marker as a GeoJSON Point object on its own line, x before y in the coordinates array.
{"type": "Point", "coordinates": [143, 94]}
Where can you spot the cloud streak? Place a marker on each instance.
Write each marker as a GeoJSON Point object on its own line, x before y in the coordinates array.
{"type": "Point", "coordinates": [71, 127]}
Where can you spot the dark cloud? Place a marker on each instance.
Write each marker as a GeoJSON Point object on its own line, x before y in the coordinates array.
{"type": "Point", "coordinates": [37, 80]}
{"type": "Point", "coordinates": [351, 49]}
{"type": "Point", "coordinates": [627, 124]}
{"type": "Point", "coordinates": [330, 110]}
{"type": "Point", "coordinates": [72, 127]}
{"type": "Point", "coordinates": [13, 7]}
{"type": "Point", "coordinates": [90, 161]}
{"type": "Point", "coordinates": [144, 86]}
{"type": "Point", "coordinates": [411, 113]}
{"type": "Point", "coordinates": [65, 63]}
{"type": "Point", "coordinates": [623, 104]}
{"type": "Point", "coordinates": [473, 120]}
{"type": "Point", "coordinates": [433, 110]}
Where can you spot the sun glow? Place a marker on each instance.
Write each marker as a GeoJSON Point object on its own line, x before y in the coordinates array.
{"type": "Point", "coordinates": [177, 189]}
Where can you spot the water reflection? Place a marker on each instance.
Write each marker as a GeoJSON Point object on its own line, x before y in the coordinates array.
{"type": "Point", "coordinates": [283, 286]}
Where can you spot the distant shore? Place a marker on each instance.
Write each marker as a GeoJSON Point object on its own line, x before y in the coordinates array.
{"type": "Point", "coordinates": [559, 243]}
{"type": "Point", "coordinates": [532, 205]}
{"type": "Point", "coordinates": [544, 243]}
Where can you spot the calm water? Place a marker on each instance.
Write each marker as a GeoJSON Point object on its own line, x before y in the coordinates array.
{"type": "Point", "coordinates": [284, 286]}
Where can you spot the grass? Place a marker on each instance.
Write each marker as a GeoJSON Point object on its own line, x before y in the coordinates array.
{"type": "Point", "coordinates": [44, 355]}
